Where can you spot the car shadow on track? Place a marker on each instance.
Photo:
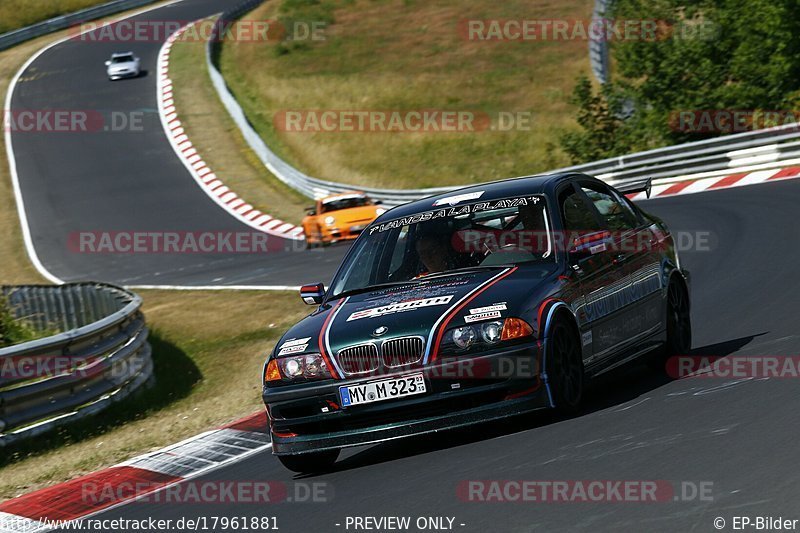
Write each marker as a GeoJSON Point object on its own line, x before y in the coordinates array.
{"type": "Point", "coordinates": [617, 387]}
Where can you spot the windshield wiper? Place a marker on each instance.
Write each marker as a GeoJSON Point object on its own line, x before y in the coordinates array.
{"type": "Point", "coordinates": [379, 286]}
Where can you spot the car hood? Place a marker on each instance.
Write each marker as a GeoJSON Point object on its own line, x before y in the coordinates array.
{"type": "Point", "coordinates": [420, 309]}
{"type": "Point", "coordinates": [122, 66]}
{"type": "Point", "coordinates": [365, 213]}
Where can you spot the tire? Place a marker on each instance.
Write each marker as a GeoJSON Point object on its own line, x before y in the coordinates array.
{"type": "Point", "coordinates": [310, 463]}
{"type": "Point", "coordinates": [565, 368]}
{"type": "Point", "coordinates": [679, 327]}
{"type": "Point", "coordinates": [679, 323]}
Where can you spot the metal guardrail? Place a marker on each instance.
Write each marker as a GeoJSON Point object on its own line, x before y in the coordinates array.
{"type": "Point", "coordinates": [12, 38]}
{"type": "Point", "coordinates": [598, 47]}
{"type": "Point", "coordinates": [757, 149]}
{"type": "Point", "coordinates": [101, 357]}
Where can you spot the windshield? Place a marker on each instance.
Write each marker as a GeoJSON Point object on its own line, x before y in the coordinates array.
{"type": "Point", "coordinates": [449, 239]}
{"type": "Point", "coordinates": [122, 59]}
{"type": "Point", "coordinates": [345, 203]}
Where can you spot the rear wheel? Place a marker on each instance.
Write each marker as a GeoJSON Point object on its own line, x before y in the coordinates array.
{"type": "Point", "coordinates": [565, 374]}
{"type": "Point", "coordinates": [310, 463]}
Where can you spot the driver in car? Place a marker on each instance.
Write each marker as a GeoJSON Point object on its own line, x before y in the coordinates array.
{"type": "Point", "coordinates": [434, 251]}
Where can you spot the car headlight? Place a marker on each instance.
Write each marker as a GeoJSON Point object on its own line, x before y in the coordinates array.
{"type": "Point", "coordinates": [491, 332]}
{"type": "Point", "coordinates": [463, 337]}
{"type": "Point", "coordinates": [298, 367]}
{"type": "Point", "coordinates": [486, 334]}
{"type": "Point", "coordinates": [330, 220]}
{"type": "Point", "coordinates": [379, 211]}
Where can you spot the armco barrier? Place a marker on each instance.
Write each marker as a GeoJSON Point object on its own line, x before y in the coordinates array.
{"type": "Point", "coordinates": [755, 150]}
{"type": "Point", "coordinates": [12, 38]}
{"type": "Point", "coordinates": [100, 358]}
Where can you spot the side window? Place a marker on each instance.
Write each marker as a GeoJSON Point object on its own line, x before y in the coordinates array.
{"type": "Point", "coordinates": [576, 214]}
{"type": "Point", "coordinates": [617, 216]}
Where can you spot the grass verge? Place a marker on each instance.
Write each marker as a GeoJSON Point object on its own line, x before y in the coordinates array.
{"type": "Point", "coordinates": [216, 137]}
{"type": "Point", "coordinates": [208, 349]}
{"type": "Point", "coordinates": [16, 14]}
{"type": "Point", "coordinates": [410, 55]}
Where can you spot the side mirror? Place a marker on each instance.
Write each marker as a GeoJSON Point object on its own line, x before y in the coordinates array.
{"type": "Point", "coordinates": [311, 210]}
{"type": "Point", "coordinates": [108, 63]}
{"type": "Point", "coordinates": [312, 294]}
{"type": "Point", "coordinates": [378, 202]}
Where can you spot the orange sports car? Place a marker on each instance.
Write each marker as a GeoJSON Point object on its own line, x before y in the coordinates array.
{"type": "Point", "coordinates": [339, 217]}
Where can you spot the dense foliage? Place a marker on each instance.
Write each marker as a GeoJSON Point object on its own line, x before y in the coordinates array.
{"type": "Point", "coordinates": [710, 57]}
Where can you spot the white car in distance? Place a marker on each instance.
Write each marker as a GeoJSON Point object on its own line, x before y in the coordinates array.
{"type": "Point", "coordinates": [123, 65]}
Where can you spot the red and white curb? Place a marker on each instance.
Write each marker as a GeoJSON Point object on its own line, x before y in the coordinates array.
{"type": "Point", "coordinates": [689, 185]}
{"type": "Point", "coordinates": [210, 183]}
{"type": "Point", "coordinates": [135, 479]}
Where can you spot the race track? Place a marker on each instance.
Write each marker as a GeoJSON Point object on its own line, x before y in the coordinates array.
{"type": "Point", "coordinates": [638, 425]}
{"type": "Point", "coordinates": [127, 179]}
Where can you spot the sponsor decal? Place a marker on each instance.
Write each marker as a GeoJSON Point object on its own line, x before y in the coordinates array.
{"type": "Point", "coordinates": [477, 317]}
{"type": "Point", "coordinates": [294, 346]}
{"type": "Point", "coordinates": [597, 248]}
{"type": "Point", "coordinates": [501, 306]}
{"type": "Point", "coordinates": [586, 338]}
{"type": "Point", "coordinates": [400, 307]}
{"type": "Point", "coordinates": [457, 199]}
{"type": "Point", "coordinates": [456, 211]}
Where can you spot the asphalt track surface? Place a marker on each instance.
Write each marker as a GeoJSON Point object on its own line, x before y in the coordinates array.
{"type": "Point", "coordinates": [739, 435]}
{"type": "Point", "coordinates": [128, 179]}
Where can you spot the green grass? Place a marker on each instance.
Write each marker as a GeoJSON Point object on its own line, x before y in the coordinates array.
{"type": "Point", "coordinates": [14, 331]}
{"type": "Point", "coordinates": [409, 55]}
{"type": "Point", "coordinates": [16, 14]}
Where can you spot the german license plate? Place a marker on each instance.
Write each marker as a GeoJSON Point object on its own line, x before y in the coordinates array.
{"type": "Point", "coordinates": [385, 389]}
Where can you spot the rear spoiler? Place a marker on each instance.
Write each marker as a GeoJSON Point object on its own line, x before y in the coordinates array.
{"type": "Point", "coordinates": [636, 186]}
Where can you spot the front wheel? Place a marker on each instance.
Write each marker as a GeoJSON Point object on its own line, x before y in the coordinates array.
{"type": "Point", "coordinates": [679, 323]}
{"type": "Point", "coordinates": [566, 368]}
{"type": "Point", "coordinates": [679, 327]}
{"type": "Point", "coordinates": [310, 463]}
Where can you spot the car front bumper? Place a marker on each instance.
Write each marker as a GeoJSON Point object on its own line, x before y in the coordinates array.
{"type": "Point", "coordinates": [121, 75]}
{"type": "Point", "coordinates": [308, 418]}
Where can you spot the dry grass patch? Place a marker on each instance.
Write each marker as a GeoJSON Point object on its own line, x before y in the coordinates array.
{"type": "Point", "coordinates": [19, 13]}
{"type": "Point", "coordinates": [410, 55]}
